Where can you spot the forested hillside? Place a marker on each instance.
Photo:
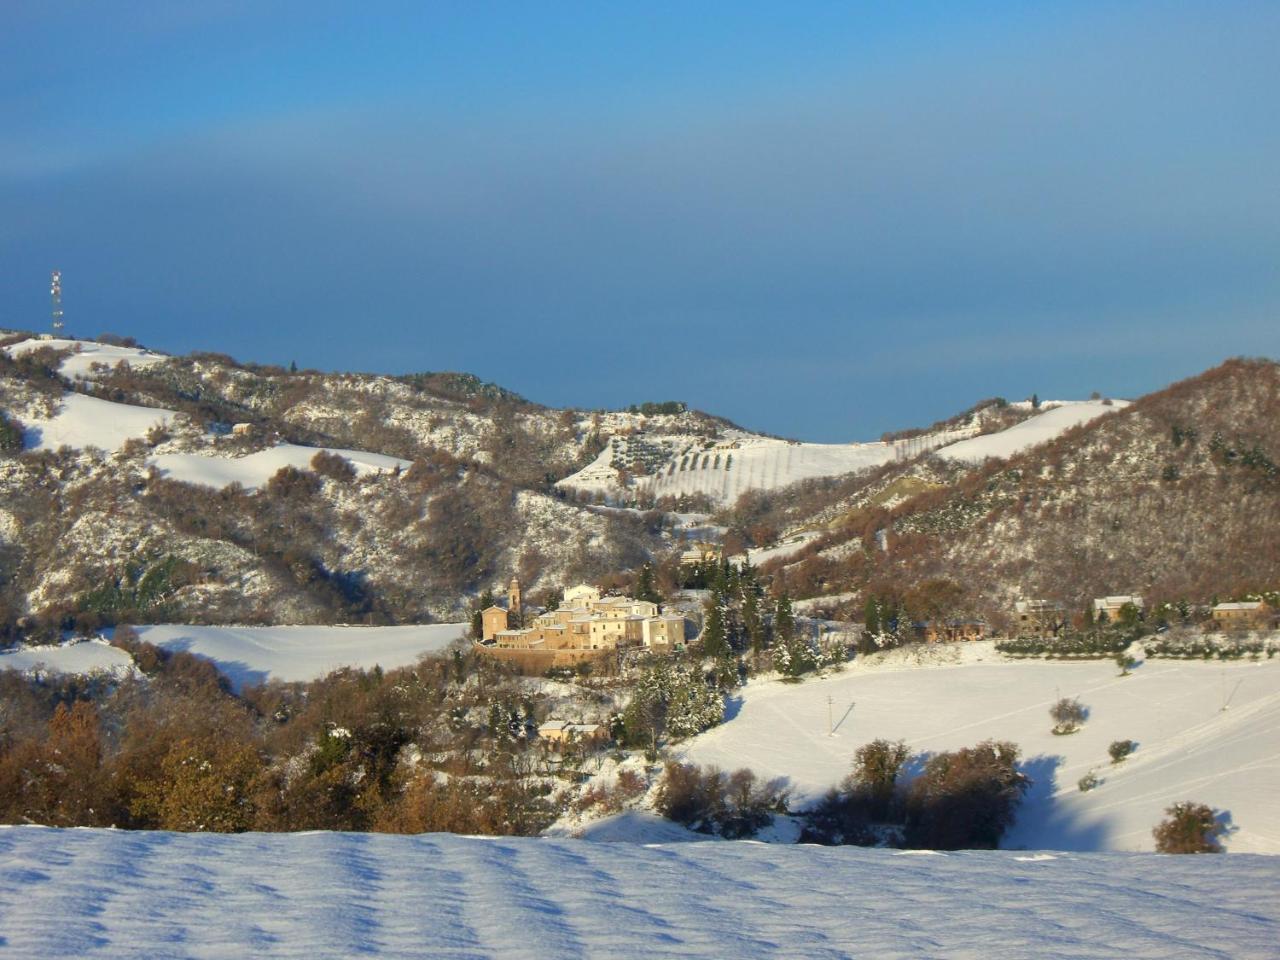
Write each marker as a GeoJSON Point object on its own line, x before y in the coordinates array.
{"type": "Point", "coordinates": [94, 525]}
{"type": "Point", "coordinates": [1174, 497]}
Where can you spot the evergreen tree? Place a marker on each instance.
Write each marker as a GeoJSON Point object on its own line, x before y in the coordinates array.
{"type": "Point", "coordinates": [715, 641]}
{"type": "Point", "coordinates": [784, 622]}
{"type": "Point", "coordinates": [871, 616]}
{"type": "Point", "coordinates": [645, 588]}
{"type": "Point", "coordinates": [477, 622]}
{"type": "Point", "coordinates": [753, 623]}
{"type": "Point", "coordinates": [792, 654]}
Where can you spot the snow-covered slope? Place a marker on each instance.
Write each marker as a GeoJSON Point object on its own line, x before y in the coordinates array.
{"type": "Point", "coordinates": [86, 353]}
{"type": "Point", "coordinates": [1030, 433]}
{"type": "Point", "coordinates": [726, 468]}
{"type": "Point", "coordinates": [110, 893]}
{"type": "Point", "coordinates": [1188, 747]}
{"type": "Point", "coordinates": [81, 421]}
{"type": "Point", "coordinates": [252, 655]}
{"type": "Point", "coordinates": [257, 468]}
{"type": "Point", "coordinates": [77, 657]}
{"type": "Point", "coordinates": [764, 464]}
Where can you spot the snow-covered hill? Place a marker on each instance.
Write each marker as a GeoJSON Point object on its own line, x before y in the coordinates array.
{"type": "Point", "coordinates": [725, 468]}
{"type": "Point", "coordinates": [1030, 433]}
{"type": "Point", "coordinates": [82, 421]}
{"type": "Point", "coordinates": [474, 513]}
{"type": "Point", "coordinates": [256, 469]}
{"type": "Point", "coordinates": [87, 358]}
{"type": "Point", "coordinates": [109, 893]}
{"type": "Point", "coordinates": [252, 655]}
{"type": "Point", "coordinates": [1189, 748]}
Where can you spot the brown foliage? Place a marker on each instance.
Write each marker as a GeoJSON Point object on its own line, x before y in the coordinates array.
{"type": "Point", "coordinates": [1188, 828]}
{"type": "Point", "coordinates": [965, 798]}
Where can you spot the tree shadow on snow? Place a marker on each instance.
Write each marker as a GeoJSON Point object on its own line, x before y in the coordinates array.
{"type": "Point", "coordinates": [1043, 823]}
{"type": "Point", "coordinates": [239, 674]}
{"type": "Point", "coordinates": [1226, 827]}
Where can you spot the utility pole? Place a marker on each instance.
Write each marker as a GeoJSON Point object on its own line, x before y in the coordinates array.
{"type": "Point", "coordinates": [831, 718]}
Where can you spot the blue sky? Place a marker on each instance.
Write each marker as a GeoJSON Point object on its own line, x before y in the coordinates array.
{"type": "Point", "coordinates": [820, 220]}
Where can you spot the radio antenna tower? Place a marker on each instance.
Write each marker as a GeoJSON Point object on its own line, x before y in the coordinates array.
{"type": "Point", "coordinates": [55, 295]}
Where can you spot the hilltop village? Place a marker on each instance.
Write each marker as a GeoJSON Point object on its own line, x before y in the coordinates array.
{"type": "Point", "coordinates": [584, 626]}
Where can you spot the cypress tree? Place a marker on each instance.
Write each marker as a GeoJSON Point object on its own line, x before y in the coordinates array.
{"type": "Point", "coordinates": [715, 638]}
{"type": "Point", "coordinates": [871, 616]}
{"type": "Point", "coordinates": [784, 622]}
{"type": "Point", "coordinates": [752, 623]}
{"type": "Point", "coordinates": [645, 589]}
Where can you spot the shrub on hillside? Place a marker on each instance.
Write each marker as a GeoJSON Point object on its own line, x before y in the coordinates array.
{"type": "Point", "coordinates": [1067, 714]}
{"type": "Point", "coordinates": [865, 798]}
{"type": "Point", "coordinates": [290, 483]}
{"type": "Point", "coordinates": [1188, 828]}
{"type": "Point", "coordinates": [1087, 646]}
{"type": "Point", "coordinates": [733, 805]}
{"type": "Point", "coordinates": [965, 798]}
{"type": "Point", "coordinates": [10, 434]}
{"type": "Point", "coordinates": [1120, 749]}
{"type": "Point", "coordinates": [333, 466]}
{"type": "Point", "coordinates": [876, 767]}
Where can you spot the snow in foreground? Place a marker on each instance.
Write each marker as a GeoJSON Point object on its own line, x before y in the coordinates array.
{"type": "Point", "coordinates": [110, 893]}
{"type": "Point", "coordinates": [1189, 748]}
{"type": "Point", "coordinates": [253, 655]}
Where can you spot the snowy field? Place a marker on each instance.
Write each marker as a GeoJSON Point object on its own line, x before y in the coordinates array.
{"type": "Point", "coordinates": [78, 364]}
{"type": "Point", "coordinates": [1189, 748]}
{"type": "Point", "coordinates": [82, 421]}
{"type": "Point", "coordinates": [253, 655]}
{"type": "Point", "coordinates": [1032, 432]}
{"type": "Point", "coordinates": [256, 469]}
{"type": "Point", "coordinates": [79, 657]}
{"type": "Point", "coordinates": [106, 893]}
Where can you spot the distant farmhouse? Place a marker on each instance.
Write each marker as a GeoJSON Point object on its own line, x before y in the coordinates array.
{"type": "Point", "coordinates": [700, 553]}
{"type": "Point", "coordinates": [585, 626]}
{"type": "Point", "coordinates": [1038, 618]}
{"type": "Point", "coordinates": [561, 733]}
{"type": "Point", "coordinates": [1112, 606]}
{"type": "Point", "coordinates": [1245, 615]}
